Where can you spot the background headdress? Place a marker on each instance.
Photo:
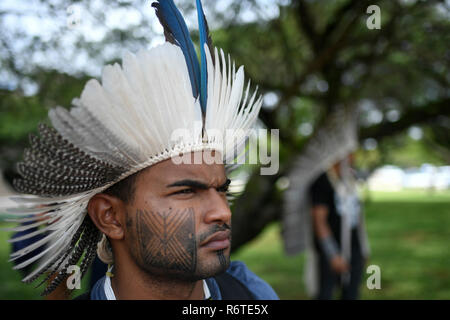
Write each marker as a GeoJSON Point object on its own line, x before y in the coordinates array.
{"type": "Point", "coordinates": [120, 127]}
{"type": "Point", "coordinates": [332, 143]}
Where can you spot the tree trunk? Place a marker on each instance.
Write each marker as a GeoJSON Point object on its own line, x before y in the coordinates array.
{"type": "Point", "coordinates": [259, 205]}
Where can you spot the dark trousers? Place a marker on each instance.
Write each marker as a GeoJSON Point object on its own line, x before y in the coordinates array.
{"type": "Point", "coordinates": [329, 280]}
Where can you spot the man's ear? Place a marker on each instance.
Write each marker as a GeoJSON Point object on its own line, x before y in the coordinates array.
{"type": "Point", "coordinates": [108, 214]}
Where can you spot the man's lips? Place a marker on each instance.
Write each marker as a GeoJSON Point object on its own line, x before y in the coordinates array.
{"type": "Point", "coordinates": [219, 240]}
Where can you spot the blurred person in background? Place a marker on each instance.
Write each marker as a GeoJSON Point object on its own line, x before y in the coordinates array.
{"type": "Point", "coordinates": [340, 238]}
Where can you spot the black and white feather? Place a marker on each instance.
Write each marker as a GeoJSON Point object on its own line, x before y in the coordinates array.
{"type": "Point", "coordinates": [116, 128]}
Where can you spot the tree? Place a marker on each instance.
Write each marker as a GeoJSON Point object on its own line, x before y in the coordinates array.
{"type": "Point", "coordinates": [309, 58]}
{"type": "Point", "coordinates": [322, 57]}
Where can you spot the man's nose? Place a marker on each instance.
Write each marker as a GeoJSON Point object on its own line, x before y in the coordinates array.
{"type": "Point", "coordinates": [217, 208]}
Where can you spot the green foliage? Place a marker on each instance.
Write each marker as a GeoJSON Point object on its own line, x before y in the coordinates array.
{"type": "Point", "coordinates": [12, 288]}
{"type": "Point", "coordinates": [402, 151]}
{"type": "Point", "coordinates": [314, 55]}
{"type": "Point", "coordinates": [411, 153]}
{"type": "Point", "coordinates": [19, 117]}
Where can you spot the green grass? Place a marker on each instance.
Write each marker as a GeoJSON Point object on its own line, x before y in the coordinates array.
{"type": "Point", "coordinates": [11, 286]}
{"type": "Point", "coordinates": [409, 234]}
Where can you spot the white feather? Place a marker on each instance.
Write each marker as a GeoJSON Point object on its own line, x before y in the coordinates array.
{"type": "Point", "coordinates": [127, 121]}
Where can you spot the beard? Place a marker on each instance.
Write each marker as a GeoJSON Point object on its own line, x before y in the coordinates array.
{"type": "Point", "coordinates": [177, 254]}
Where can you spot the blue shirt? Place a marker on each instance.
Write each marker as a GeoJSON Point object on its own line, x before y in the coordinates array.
{"type": "Point", "coordinates": [260, 289]}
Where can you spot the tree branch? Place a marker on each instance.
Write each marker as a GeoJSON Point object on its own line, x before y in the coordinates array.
{"type": "Point", "coordinates": [306, 23]}
{"type": "Point", "coordinates": [414, 115]}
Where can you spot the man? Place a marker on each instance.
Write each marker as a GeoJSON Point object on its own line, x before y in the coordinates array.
{"type": "Point", "coordinates": [339, 232]}
{"type": "Point", "coordinates": [169, 233]}
{"type": "Point", "coordinates": [136, 173]}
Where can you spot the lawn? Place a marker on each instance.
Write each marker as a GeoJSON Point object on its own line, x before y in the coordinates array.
{"type": "Point", "coordinates": [409, 233]}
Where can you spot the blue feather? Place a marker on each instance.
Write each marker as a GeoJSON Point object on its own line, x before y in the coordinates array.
{"type": "Point", "coordinates": [176, 31]}
{"type": "Point", "coordinates": [203, 28]}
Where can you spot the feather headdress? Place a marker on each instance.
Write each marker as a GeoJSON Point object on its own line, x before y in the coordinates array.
{"type": "Point", "coordinates": [120, 127]}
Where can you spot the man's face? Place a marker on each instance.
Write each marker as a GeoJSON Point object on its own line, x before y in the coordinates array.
{"type": "Point", "coordinates": [179, 222]}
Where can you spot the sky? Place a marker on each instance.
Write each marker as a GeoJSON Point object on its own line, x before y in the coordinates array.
{"type": "Point", "coordinates": [34, 19]}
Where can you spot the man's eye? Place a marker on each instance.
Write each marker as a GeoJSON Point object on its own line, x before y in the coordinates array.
{"type": "Point", "coordinates": [185, 191]}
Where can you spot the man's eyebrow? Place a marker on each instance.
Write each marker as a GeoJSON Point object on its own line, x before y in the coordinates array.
{"type": "Point", "coordinates": [226, 184]}
{"type": "Point", "coordinates": [195, 184]}
{"type": "Point", "coordinates": [189, 183]}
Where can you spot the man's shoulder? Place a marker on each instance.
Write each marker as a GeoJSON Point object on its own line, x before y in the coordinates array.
{"type": "Point", "coordinates": [259, 288]}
